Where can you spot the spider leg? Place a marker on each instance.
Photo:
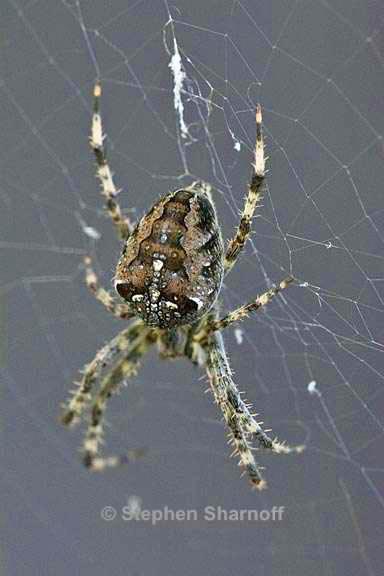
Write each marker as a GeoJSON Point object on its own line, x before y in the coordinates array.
{"type": "Point", "coordinates": [123, 225]}
{"type": "Point", "coordinates": [240, 421]}
{"type": "Point", "coordinates": [116, 308]}
{"type": "Point", "coordinates": [81, 397]}
{"type": "Point", "coordinates": [214, 325]}
{"type": "Point", "coordinates": [110, 384]}
{"type": "Point", "coordinates": [237, 243]}
{"type": "Point", "coordinates": [228, 398]}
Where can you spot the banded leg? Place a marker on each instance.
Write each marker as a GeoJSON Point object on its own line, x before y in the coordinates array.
{"type": "Point", "coordinates": [241, 422]}
{"type": "Point", "coordinates": [111, 383]}
{"type": "Point", "coordinates": [123, 225]}
{"type": "Point", "coordinates": [242, 312]}
{"type": "Point", "coordinates": [237, 243]}
{"type": "Point", "coordinates": [225, 394]}
{"type": "Point", "coordinates": [81, 397]}
{"type": "Point", "coordinates": [118, 309]}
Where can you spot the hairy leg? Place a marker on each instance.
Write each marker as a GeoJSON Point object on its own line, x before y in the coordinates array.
{"type": "Point", "coordinates": [240, 421]}
{"type": "Point", "coordinates": [108, 300]}
{"type": "Point", "coordinates": [214, 325]}
{"type": "Point", "coordinates": [123, 225]}
{"type": "Point", "coordinates": [82, 395]}
{"type": "Point", "coordinates": [110, 384]}
{"type": "Point", "coordinates": [255, 186]}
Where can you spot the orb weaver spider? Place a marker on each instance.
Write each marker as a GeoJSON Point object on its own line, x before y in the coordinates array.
{"type": "Point", "coordinates": [169, 277]}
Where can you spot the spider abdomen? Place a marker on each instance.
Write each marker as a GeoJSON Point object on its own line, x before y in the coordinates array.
{"type": "Point", "coordinates": [171, 268]}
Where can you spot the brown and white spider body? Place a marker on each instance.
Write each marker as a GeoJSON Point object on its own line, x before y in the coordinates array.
{"type": "Point", "coordinates": [169, 278]}
{"type": "Point", "coordinates": [172, 266]}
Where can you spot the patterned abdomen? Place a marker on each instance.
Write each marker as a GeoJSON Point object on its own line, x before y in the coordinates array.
{"type": "Point", "coordinates": [171, 268]}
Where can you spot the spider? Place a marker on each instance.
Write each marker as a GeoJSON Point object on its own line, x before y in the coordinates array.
{"type": "Point", "coordinates": [169, 277]}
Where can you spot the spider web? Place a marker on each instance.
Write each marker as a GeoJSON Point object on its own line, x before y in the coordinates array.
{"type": "Point", "coordinates": [180, 84]}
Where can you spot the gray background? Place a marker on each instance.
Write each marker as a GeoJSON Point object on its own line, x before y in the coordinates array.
{"type": "Point", "coordinates": [317, 69]}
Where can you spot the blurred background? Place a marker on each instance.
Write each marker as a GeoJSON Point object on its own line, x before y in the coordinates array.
{"type": "Point", "coordinates": [180, 85]}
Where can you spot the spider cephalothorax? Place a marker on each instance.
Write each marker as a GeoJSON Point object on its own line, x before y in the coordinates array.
{"type": "Point", "coordinates": [172, 265]}
{"type": "Point", "coordinates": [169, 275]}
